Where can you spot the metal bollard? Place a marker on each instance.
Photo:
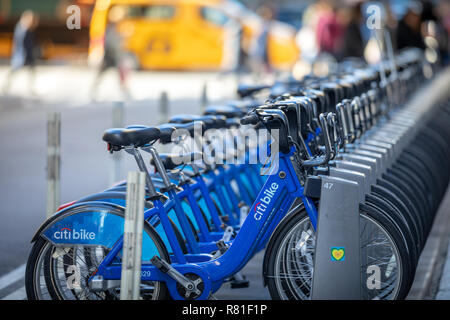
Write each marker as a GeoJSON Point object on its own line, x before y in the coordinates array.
{"type": "Point", "coordinates": [117, 122]}
{"type": "Point", "coordinates": [53, 162]}
{"type": "Point", "coordinates": [163, 107]}
{"type": "Point", "coordinates": [132, 244]}
{"type": "Point", "coordinates": [118, 114]}
{"type": "Point", "coordinates": [163, 114]}
{"type": "Point", "coordinates": [204, 97]}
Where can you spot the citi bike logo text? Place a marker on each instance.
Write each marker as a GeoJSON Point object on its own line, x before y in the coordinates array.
{"type": "Point", "coordinates": [72, 234]}
{"type": "Point", "coordinates": [261, 206]}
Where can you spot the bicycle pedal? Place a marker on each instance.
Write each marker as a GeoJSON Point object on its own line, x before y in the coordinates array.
{"type": "Point", "coordinates": [221, 246]}
{"type": "Point", "coordinates": [165, 267]}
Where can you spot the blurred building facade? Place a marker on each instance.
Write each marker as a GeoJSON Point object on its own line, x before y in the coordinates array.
{"type": "Point", "coordinates": [55, 39]}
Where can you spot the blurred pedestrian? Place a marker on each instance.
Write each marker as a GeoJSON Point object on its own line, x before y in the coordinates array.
{"type": "Point", "coordinates": [24, 49]}
{"type": "Point", "coordinates": [329, 28]}
{"type": "Point", "coordinates": [260, 54]}
{"type": "Point", "coordinates": [443, 13]}
{"type": "Point", "coordinates": [391, 24]}
{"type": "Point", "coordinates": [352, 43]}
{"type": "Point", "coordinates": [409, 28]}
{"type": "Point", "coordinates": [113, 56]}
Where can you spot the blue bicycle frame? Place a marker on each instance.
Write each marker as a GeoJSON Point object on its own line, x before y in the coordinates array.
{"type": "Point", "coordinates": [273, 202]}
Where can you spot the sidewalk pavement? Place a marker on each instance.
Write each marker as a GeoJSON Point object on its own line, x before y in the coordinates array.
{"type": "Point", "coordinates": [71, 85]}
{"type": "Point", "coordinates": [444, 286]}
{"type": "Point", "coordinates": [430, 271]}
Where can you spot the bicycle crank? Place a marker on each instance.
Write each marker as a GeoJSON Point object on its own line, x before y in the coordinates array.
{"type": "Point", "coordinates": [190, 286]}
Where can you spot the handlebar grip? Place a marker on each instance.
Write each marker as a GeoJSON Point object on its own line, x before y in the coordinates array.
{"type": "Point", "coordinates": [250, 119]}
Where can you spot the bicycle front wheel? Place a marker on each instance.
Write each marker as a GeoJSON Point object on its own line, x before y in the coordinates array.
{"type": "Point", "coordinates": [291, 263]}
{"type": "Point", "coordinates": [62, 272]}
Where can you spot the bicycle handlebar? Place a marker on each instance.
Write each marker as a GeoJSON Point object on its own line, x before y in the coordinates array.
{"type": "Point", "coordinates": [323, 159]}
{"type": "Point", "coordinates": [250, 119]}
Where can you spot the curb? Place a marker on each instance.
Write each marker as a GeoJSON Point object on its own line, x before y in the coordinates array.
{"type": "Point", "coordinates": [432, 259]}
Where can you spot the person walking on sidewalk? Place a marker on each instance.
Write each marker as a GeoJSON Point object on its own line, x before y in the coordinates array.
{"type": "Point", "coordinates": [113, 56]}
{"type": "Point", "coordinates": [24, 52]}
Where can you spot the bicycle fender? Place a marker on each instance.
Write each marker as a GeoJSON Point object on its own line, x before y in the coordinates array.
{"type": "Point", "coordinates": [92, 206]}
{"type": "Point", "coordinates": [92, 223]}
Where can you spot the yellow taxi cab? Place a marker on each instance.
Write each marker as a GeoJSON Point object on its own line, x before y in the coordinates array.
{"type": "Point", "coordinates": [190, 34]}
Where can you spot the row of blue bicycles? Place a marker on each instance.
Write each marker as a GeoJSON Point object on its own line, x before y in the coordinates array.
{"type": "Point", "coordinates": [242, 178]}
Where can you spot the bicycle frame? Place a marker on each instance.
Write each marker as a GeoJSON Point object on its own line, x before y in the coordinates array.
{"type": "Point", "coordinates": [273, 202]}
{"type": "Point", "coordinates": [176, 205]}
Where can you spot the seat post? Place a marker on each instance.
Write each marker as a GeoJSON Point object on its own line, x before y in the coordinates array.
{"type": "Point", "coordinates": [141, 164]}
{"type": "Point", "coordinates": [160, 166]}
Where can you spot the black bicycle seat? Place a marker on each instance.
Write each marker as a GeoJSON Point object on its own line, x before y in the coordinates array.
{"type": "Point", "coordinates": [210, 121]}
{"type": "Point", "coordinates": [244, 105]}
{"type": "Point", "coordinates": [135, 136]}
{"type": "Point", "coordinates": [233, 123]}
{"type": "Point", "coordinates": [245, 90]}
{"type": "Point", "coordinates": [227, 111]}
{"type": "Point", "coordinates": [168, 128]}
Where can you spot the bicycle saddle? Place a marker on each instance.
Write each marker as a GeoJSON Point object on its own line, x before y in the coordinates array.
{"type": "Point", "coordinates": [133, 136]}
{"type": "Point", "coordinates": [171, 161]}
{"type": "Point", "coordinates": [244, 104]}
{"type": "Point", "coordinates": [167, 129]}
{"type": "Point", "coordinates": [247, 90]}
{"type": "Point", "coordinates": [210, 121]}
{"type": "Point", "coordinates": [227, 111]}
{"type": "Point", "coordinates": [233, 123]}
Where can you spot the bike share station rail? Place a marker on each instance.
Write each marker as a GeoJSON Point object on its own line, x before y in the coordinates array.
{"type": "Point", "coordinates": [337, 266]}
{"type": "Point", "coordinates": [337, 273]}
{"type": "Point", "coordinates": [354, 145]}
